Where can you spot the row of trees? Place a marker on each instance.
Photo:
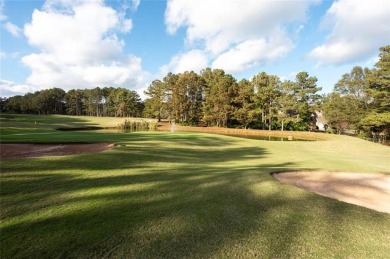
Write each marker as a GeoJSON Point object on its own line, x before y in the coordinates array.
{"type": "Point", "coordinates": [214, 98]}
{"type": "Point", "coordinates": [361, 100]}
{"type": "Point", "coordinates": [107, 101]}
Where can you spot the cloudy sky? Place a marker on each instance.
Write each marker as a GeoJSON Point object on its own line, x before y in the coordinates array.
{"type": "Point", "coordinates": [129, 43]}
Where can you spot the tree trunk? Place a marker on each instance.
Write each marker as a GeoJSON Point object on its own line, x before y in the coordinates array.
{"type": "Point", "coordinates": [270, 116]}
{"type": "Point", "coordinates": [262, 120]}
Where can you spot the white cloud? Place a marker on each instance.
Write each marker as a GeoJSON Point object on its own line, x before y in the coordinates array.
{"type": "Point", "coordinates": [66, 6]}
{"type": "Point", "coordinates": [193, 60]}
{"type": "Point", "coordinates": [237, 34]}
{"type": "Point", "coordinates": [127, 25]}
{"type": "Point", "coordinates": [299, 28]}
{"type": "Point", "coordinates": [80, 46]}
{"type": "Point", "coordinates": [252, 53]}
{"type": "Point", "coordinates": [141, 93]}
{"type": "Point", "coordinates": [4, 55]}
{"type": "Point", "coordinates": [12, 28]}
{"type": "Point", "coordinates": [135, 4]}
{"type": "Point", "coordinates": [220, 23]}
{"type": "Point", "coordinates": [47, 72]}
{"type": "Point", "coordinates": [359, 29]}
{"type": "Point", "coordinates": [3, 17]}
{"type": "Point", "coordinates": [10, 88]}
{"type": "Point", "coordinates": [76, 38]}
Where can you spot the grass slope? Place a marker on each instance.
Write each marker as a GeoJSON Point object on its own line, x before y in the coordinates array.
{"type": "Point", "coordinates": [176, 195]}
{"type": "Point", "coordinates": [40, 122]}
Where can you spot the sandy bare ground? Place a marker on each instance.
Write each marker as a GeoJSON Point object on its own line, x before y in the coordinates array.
{"type": "Point", "coordinates": [368, 190]}
{"type": "Point", "coordinates": [35, 150]}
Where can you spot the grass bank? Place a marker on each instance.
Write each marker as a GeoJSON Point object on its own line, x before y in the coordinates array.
{"type": "Point", "coordinates": [60, 128]}
{"type": "Point", "coordinates": [194, 195]}
{"type": "Point", "coordinates": [165, 126]}
{"type": "Point", "coordinates": [61, 121]}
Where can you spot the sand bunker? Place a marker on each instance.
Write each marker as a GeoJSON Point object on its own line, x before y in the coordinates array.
{"type": "Point", "coordinates": [36, 150]}
{"type": "Point", "coordinates": [368, 190]}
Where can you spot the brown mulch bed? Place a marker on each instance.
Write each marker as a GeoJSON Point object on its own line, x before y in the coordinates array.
{"type": "Point", "coordinates": [364, 189]}
{"type": "Point", "coordinates": [8, 151]}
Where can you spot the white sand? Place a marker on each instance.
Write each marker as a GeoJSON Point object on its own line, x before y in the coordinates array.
{"type": "Point", "coordinates": [364, 189]}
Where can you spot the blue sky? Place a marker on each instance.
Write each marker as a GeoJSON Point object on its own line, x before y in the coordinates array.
{"type": "Point", "coordinates": [129, 43]}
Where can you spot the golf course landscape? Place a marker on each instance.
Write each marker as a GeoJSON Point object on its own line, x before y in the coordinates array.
{"type": "Point", "coordinates": [162, 194]}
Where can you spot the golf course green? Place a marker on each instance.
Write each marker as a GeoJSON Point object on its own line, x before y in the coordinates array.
{"type": "Point", "coordinates": [181, 195]}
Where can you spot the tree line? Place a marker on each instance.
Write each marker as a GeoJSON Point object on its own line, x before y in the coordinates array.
{"type": "Point", "coordinates": [214, 98]}
{"type": "Point", "coordinates": [360, 100]}
{"type": "Point", "coordinates": [107, 101]}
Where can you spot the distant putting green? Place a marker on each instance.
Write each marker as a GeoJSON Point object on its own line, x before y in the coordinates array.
{"type": "Point", "coordinates": [176, 195]}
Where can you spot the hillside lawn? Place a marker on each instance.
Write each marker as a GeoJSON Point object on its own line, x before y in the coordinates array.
{"type": "Point", "coordinates": [182, 194]}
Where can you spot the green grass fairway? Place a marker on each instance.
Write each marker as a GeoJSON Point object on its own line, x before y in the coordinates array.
{"type": "Point", "coordinates": [184, 195]}
{"type": "Point", "coordinates": [40, 122]}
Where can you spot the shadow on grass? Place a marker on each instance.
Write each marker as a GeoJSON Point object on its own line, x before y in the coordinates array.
{"type": "Point", "coordinates": [172, 199]}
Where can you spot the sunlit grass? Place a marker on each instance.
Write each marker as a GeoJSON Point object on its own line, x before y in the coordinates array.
{"type": "Point", "coordinates": [60, 121]}
{"type": "Point", "coordinates": [185, 195]}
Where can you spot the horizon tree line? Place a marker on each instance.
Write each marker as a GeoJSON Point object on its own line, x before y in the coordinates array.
{"type": "Point", "coordinates": [107, 101]}
{"type": "Point", "coordinates": [214, 98]}
{"type": "Point", "coordinates": [360, 100]}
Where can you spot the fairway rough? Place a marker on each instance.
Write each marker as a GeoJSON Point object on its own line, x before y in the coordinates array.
{"type": "Point", "coordinates": [36, 150]}
{"type": "Point", "coordinates": [363, 189]}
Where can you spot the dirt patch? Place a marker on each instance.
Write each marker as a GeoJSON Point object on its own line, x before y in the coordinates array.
{"type": "Point", "coordinates": [35, 150]}
{"type": "Point", "coordinates": [368, 190]}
